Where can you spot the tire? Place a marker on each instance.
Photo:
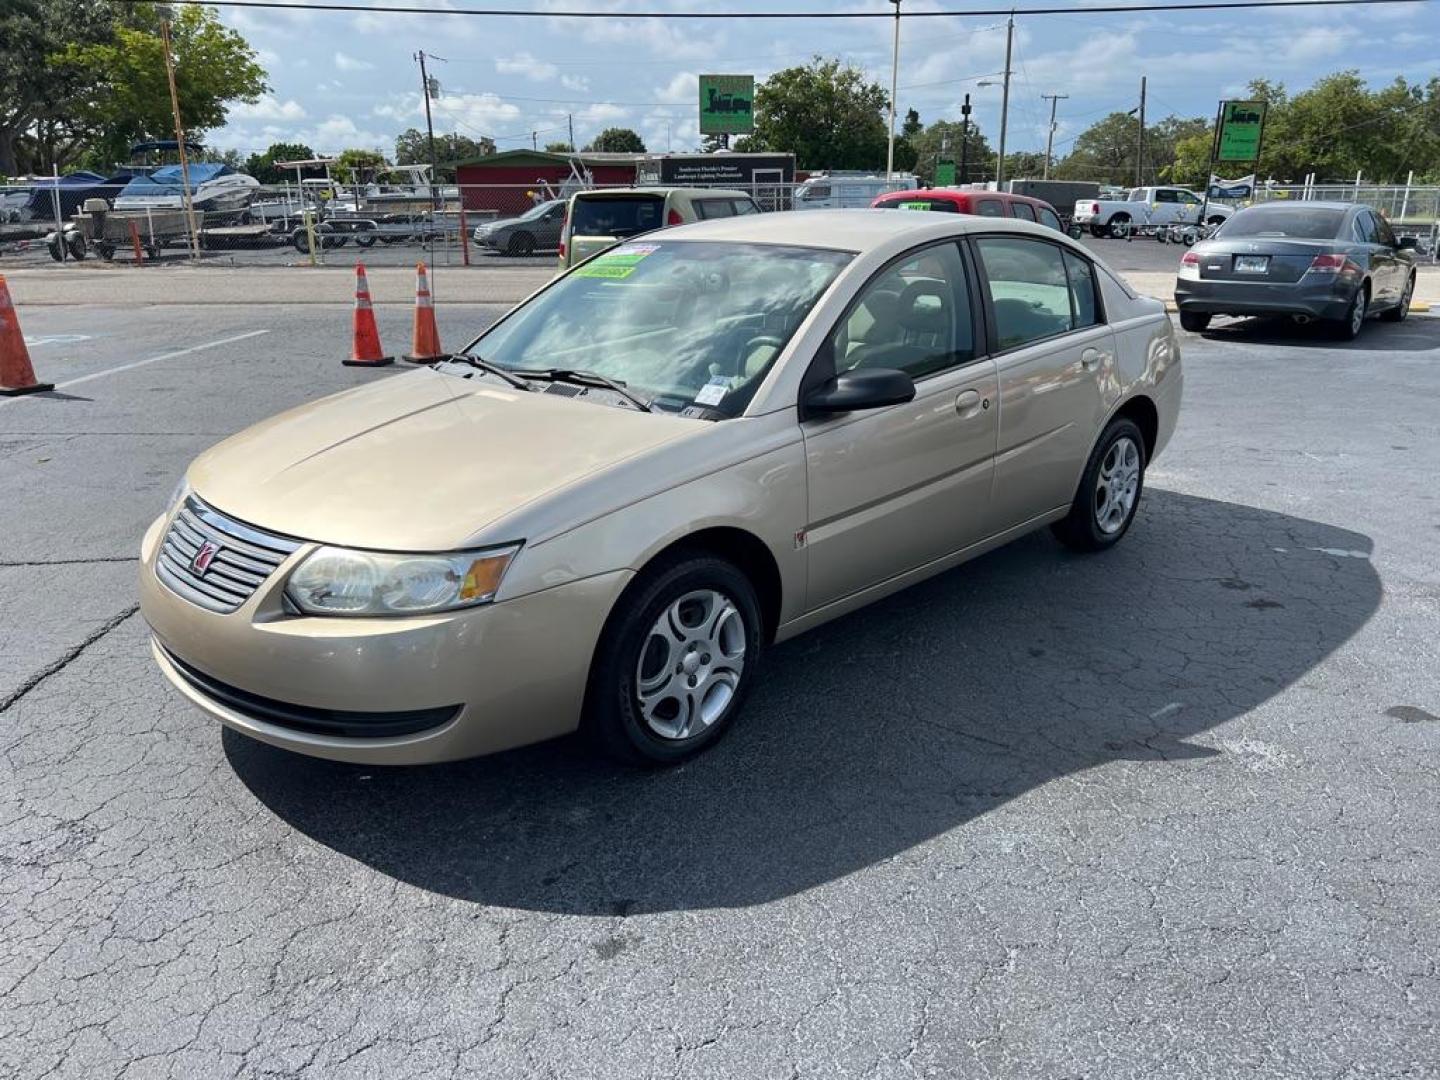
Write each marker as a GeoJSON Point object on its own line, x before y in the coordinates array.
{"type": "Point", "coordinates": [1118, 227]}
{"type": "Point", "coordinates": [365, 238]}
{"type": "Point", "coordinates": [1402, 309]}
{"type": "Point", "coordinates": [300, 240]}
{"type": "Point", "coordinates": [1196, 322]}
{"type": "Point", "coordinates": [521, 244]}
{"type": "Point", "coordinates": [1098, 232]}
{"type": "Point", "coordinates": [1092, 527]}
{"type": "Point", "coordinates": [682, 591]}
{"type": "Point", "coordinates": [52, 245]}
{"type": "Point", "coordinates": [1348, 328]}
{"type": "Point", "coordinates": [105, 251]}
{"type": "Point", "coordinates": [75, 243]}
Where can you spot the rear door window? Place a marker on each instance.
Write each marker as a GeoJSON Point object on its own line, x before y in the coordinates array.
{"type": "Point", "coordinates": [989, 208]}
{"type": "Point", "coordinates": [1084, 310]}
{"type": "Point", "coordinates": [714, 208]}
{"type": "Point", "coordinates": [1023, 211]}
{"type": "Point", "coordinates": [618, 216]}
{"type": "Point", "coordinates": [1166, 195]}
{"type": "Point", "coordinates": [745, 206]}
{"type": "Point", "coordinates": [1047, 217]}
{"type": "Point", "coordinates": [1029, 288]}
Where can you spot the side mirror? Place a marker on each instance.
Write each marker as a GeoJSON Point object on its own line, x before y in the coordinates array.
{"type": "Point", "coordinates": [861, 388]}
{"type": "Point", "coordinates": [1408, 243]}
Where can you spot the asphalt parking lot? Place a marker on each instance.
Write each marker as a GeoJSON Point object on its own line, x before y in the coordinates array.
{"type": "Point", "coordinates": [1165, 812]}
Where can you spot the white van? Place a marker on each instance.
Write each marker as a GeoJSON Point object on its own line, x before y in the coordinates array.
{"type": "Point", "coordinates": [830, 191]}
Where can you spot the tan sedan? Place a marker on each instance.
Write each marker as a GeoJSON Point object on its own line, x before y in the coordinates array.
{"type": "Point", "coordinates": [602, 512]}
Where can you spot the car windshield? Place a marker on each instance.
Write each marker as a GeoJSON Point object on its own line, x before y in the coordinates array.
{"type": "Point", "coordinates": [691, 325]}
{"type": "Point", "coordinates": [616, 215]}
{"type": "Point", "coordinates": [536, 211]}
{"type": "Point", "coordinates": [1291, 222]}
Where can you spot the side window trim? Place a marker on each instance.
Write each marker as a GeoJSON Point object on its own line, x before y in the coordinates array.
{"type": "Point", "coordinates": [992, 338]}
{"type": "Point", "coordinates": [822, 365]}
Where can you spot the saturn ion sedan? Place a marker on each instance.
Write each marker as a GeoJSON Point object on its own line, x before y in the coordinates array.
{"type": "Point", "coordinates": [1338, 262]}
{"type": "Point", "coordinates": [603, 511]}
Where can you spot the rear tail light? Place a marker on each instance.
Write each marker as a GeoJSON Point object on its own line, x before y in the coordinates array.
{"type": "Point", "coordinates": [564, 224]}
{"type": "Point", "coordinates": [1094, 208]}
{"type": "Point", "coordinates": [674, 218]}
{"type": "Point", "coordinates": [1327, 264]}
{"type": "Point", "coordinates": [1190, 259]}
{"type": "Point", "coordinates": [1190, 266]}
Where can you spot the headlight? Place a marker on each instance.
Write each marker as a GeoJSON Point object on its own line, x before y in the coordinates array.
{"type": "Point", "coordinates": [336, 581]}
{"type": "Point", "coordinates": [182, 489]}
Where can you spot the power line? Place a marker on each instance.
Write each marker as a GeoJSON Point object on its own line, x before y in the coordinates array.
{"type": "Point", "coordinates": [987, 13]}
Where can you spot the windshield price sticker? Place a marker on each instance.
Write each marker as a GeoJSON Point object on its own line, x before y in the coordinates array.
{"type": "Point", "coordinates": [713, 392]}
{"type": "Point", "coordinates": [914, 206]}
{"type": "Point", "coordinates": [617, 263]}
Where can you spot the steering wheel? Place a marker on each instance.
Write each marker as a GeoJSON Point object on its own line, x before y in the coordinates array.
{"type": "Point", "coordinates": [754, 343]}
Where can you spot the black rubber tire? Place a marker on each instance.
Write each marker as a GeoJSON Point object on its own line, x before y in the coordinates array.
{"type": "Point", "coordinates": [1078, 529]}
{"type": "Point", "coordinates": [1347, 329]}
{"type": "Point", "coordinates": [612, 719]}
{"type": "Point", "coordinates": [1097, 231]}
{"type": "Point", "coordinates": [1197, 322]}
{"type": "Point", "coordinates": [520, 245]}
{"type": "Point", "coordinates": [1118, 227]}
{"type": "Point", "coordinates": [75, 244]}
{"type": "Point", "coordinates": [300, 241]}
{"type": "Point", "coordinates": [1402, 309]}
{"type": "Point", "coordinates": [105, 251]}
{"type": "Point", "coordinates": [366, 238]}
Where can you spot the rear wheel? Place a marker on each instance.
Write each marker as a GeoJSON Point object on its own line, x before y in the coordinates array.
{"type": "Point", "coordinates": [1119, 227]}
{"type": "Point", "coordinates": [675, 661]}
{"type": "Point", "coordinates": [1195, 321]}
{"type": "Point", "coordinates": [1348, 328]}
{"type": "Point", "coordinates": [1109, 490]}
{"type": "Point", "coordinates": [1400, 310]}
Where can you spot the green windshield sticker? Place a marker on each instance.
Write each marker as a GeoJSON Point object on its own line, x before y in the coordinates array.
{"type": "Point", "coordinates": [617, 263]}
{"type": "Point", "coordinates": [914, 206]}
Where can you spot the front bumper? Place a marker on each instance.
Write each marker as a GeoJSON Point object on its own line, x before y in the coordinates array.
{"type": "Point", "coordinates": [454, 685]}
{"type": "Point", "coordinates": [1321, 298]}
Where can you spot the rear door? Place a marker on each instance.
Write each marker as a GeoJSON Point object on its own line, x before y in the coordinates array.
{"type": "Point", "coordinates": [894, 489]}
{"type": "Point", "coordinates": [1385, 265]}
{"type": "Point", "coordinates": [1054, 357]}
{"type": "Point", "coordinates": [600, 220]}
{"type": "Point", "coordinates": [1023, 211]}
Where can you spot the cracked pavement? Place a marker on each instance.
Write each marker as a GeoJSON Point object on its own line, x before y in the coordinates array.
{"type": "Point", "coordinates": [1168, 811]}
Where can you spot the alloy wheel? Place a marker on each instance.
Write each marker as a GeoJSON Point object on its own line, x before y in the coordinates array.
{"type": "Point", "coordinates": [1117, 485]}
{"type": "Point", "coordinates": [691, 664]}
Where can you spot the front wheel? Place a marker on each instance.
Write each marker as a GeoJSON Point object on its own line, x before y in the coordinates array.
{"type": "Point", "coordinates": [1109, 491]}
{"type": "Point", "coordinates": [1196, 322]}
{"type": "Point", "coordinates": [521, 244]}
{"type": "Point", "coordinates": [675, 661]}
{"type": "Point", "coordinates": [1400, 310]}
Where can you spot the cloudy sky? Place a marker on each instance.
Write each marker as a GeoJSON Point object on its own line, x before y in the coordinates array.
{"type": "Point", "coordinates": [349, 79]}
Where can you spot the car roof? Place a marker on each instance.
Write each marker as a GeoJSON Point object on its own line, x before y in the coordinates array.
{"type": "Point", "coordinates": [956, 195]}
{"type": "Point", "coordinates": [697, 192]}
{"type": "Point", "coordinates": [845, 230]}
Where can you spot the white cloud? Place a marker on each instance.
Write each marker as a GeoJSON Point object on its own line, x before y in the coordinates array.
{"type": "Point", "coordinates": [675, 39]}
{"type": "Point", "coordinates": [579, 83]}
{"type": "Point", "coordinates": [526, 66]}
{"type": "Point", "coordinates": [471, 114]}
{"type": "Point", "coordinates": [345, 62]}
{"type": "Point", "coordinates": [269, 108]}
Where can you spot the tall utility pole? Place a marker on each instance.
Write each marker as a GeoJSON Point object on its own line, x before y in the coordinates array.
{"type": "Point", "coordinates": [1054, 99]}
{"type": "Point", "coordinates": [534, 140]}
{"type": "Point", "coordinates": [1005, 102]}
{"type": "Point", "coordinates": [964, 138]}
{"type": "Point", "coordinates": [894, 88]}
{"type": "Point", "coordinates": [179, 146]}
{"type": "Point", "coordinates": [572, 132]}
{"type": "Point", "coordinates": [1140, 137]}
{"type": "Point", "coordinates": [427, 90]}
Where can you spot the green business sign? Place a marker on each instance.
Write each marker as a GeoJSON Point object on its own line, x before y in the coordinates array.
{"type": "Point", "coordinates": [944, 173]}
{"type": "Point", "coordinates": [727, 104]}
{"type": "Point", "coordinates": [1237, 132]}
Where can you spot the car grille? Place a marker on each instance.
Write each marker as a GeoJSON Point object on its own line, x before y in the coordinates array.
{"type": "Point", "coordinates": [243, 559]}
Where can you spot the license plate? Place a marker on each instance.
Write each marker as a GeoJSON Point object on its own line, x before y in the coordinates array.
{"type": "Point", "coordinates": [1252, 264]}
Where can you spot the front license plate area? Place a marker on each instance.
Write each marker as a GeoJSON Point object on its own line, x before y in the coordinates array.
{"type": "Point", "coordinates": [1252, 264]}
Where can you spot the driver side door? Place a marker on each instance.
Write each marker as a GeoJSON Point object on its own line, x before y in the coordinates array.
{"type": "Point", "coordinates": [895, 488]}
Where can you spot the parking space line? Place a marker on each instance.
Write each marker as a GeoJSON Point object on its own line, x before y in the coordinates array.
{"type": "Point", "coordinates": [141, 363]}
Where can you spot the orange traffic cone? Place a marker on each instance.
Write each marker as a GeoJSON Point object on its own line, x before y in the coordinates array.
{"type": "Point", "coordinates": [16, 375]}
{"type": "Point", "coordinates": [425, 341]}
{"type": "Point", "coordinates": [366, 351]}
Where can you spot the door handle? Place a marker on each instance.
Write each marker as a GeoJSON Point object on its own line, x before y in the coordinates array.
{"type": "Point", "coordinates": [967, 400]}
{"type": "Point", "coordinates": [1090, 358]}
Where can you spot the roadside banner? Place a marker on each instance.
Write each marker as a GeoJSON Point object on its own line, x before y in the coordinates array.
{"type": "Point", "coordinates": [1243, 188]}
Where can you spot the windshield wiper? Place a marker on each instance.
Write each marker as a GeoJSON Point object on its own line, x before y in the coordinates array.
{"type": "Point", "coordinates": [585, 378]}
{"type": "Point", "coordinates": [490, 369]}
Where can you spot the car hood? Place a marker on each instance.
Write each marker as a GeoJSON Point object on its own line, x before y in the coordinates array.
{"type": "Point", "coordinates": [421, 462]}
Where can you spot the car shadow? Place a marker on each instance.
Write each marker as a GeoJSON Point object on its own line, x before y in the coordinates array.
{"type": "Point", "coordinates": [1415, 334]}
{"type": "Point", "coordinates": [877, 732]}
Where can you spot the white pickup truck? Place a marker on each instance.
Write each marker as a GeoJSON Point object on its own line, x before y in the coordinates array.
{"type": "Point", "coordinates": [1145, 206]}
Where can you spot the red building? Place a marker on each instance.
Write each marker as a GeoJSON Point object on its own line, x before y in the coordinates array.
{"type": "Point", "coordinates": [501, 183]}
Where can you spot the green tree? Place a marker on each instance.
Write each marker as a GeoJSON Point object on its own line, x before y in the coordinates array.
{"type": "Point", "coordinates": [947, 139]}
{"type": "Point", "coordinates": [617, 140]}
{"type": "Point", "coordinates": [412, 147]}
{"type": "Point", "coordinates": [558, 148]}
{"type": "Point", "coordinates": [1024, 164]}
{"type": "Point", "coordinates": [906, 155]}
{"type": "Point", "coordinates": [358, 166]}
{"type": "Point", "coordinates": [129, 98]}
{"type": "Point", "coordinates": [265, 168]}
{"type": "Point", "coordinates": [825, 113]}
{"type": "Point", "coordinates": [1190, 164]}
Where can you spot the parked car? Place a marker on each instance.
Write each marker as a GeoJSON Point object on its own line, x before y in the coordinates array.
{"type": "Point", "coordinates": [599, 219]}
{"type": "Point", "coordinates": [538, 229]}
{"type": "Point", "coordinates": [605, 509]}
{"type": "Point", "coordinates": [847, 190]}
{"type": "Point", "coordinates": [982, 203]}
{"type": "Point", "coordinates": [1310, 260]}
{"type": "Point", "coordinates": [1146, 206]}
